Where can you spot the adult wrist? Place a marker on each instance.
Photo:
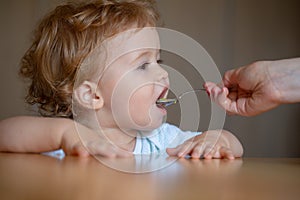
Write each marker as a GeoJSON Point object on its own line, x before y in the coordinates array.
{"type": "Point", "coordinates": [284, 75]}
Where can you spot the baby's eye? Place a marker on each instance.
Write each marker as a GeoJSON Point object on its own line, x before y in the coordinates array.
{"type": "Point", "coordinates": [143, 66]}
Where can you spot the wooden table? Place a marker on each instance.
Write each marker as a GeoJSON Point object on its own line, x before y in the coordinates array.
{"type": "Point", "coordinates": [32, 176]}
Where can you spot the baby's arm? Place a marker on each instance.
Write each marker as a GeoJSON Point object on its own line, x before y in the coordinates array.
{"type": "Point", "coordinates": [38, 134]}
{"type": "Point", "coordinates": [32, 134]}
{"type": "Point", "coordinates": [210, 144]}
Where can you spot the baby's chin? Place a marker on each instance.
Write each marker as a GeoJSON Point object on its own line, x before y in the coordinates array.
{"type": "Point", "coordinates": [150, 123]}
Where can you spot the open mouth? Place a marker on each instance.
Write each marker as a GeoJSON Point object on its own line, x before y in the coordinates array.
{"type": "Point", "coordinates": [162, 95]}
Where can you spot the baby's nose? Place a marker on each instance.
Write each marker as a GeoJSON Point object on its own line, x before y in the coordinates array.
{"type": "Point", "coordinates": [162, 73]}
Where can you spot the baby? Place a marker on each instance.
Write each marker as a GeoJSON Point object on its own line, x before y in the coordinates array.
{"type": "Point", "coordinates": [94, 70]}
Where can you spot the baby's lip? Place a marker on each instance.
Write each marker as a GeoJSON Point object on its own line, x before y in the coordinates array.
{"type": "Point", "coordinates": [163, 93]}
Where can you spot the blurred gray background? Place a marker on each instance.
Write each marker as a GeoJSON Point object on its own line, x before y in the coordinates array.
{"type": "Point", "coordinates": [233, 32]}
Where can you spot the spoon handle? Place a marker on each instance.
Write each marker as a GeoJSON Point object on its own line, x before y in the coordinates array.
{"type": "Point", "coordinates": [184, 93]}
{"type": "Point", "coordinates": [167, 102]}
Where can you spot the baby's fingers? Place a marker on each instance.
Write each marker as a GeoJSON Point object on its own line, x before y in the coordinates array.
{"type": "Point", "coordinates": [181, 150]}
{"type": "Point", "coordinates": [226, 153]}
{"type": "Point", "coordinates": [209, 152]}
{"type": "Point", "coordinates": [223, 152]}
{"type": "Point", "coordinates": [79, 150]}
{"type": "Point", "coordinates": [198, 151]}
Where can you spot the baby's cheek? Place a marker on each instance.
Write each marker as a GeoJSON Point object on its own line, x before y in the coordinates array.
{"type": "Point", "coordinates": [138, 111]}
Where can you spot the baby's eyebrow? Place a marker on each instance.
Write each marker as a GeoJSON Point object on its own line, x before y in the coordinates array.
{"type": "Point", "coordinates": [145, 54]}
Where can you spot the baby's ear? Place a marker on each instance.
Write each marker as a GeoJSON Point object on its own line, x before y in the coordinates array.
{"type": "Point", "coordinates": [89, 95]}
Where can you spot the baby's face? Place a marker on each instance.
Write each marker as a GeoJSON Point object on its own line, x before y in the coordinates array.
{"type": "Point", "coordinates": [133, 81]}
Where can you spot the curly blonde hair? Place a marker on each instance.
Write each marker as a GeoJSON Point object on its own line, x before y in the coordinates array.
{"type": "Point", "coordinates": [63, 40]}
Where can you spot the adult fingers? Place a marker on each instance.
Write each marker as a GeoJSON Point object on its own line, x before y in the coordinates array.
{"type": "Point", "coordinates": [230, 78]}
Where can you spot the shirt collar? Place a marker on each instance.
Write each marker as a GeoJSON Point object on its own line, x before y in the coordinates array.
{"type": "Point", "coordinates": [153, 138]}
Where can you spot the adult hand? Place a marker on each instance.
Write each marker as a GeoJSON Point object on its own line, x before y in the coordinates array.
{"type": "Point", "coordinates": [258, 87]}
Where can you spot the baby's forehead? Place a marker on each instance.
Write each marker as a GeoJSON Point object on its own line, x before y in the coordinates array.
{"type": "Point", "coordinates": [132, 41]}
{"type": "Point", "coordinates": [145, 52]}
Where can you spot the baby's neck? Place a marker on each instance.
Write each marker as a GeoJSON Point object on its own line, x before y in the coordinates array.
{"type": "Point", "coordinates": [105, 125]}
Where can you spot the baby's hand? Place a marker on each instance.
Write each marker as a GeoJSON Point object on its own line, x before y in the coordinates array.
{"type": "Point", "coordinates": [88, 143]}
{"type": "Point", "coordinates": [210, 144]}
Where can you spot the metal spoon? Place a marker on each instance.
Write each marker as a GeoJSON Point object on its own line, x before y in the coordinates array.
{"type": "Point", "coordinates": [167, 102]}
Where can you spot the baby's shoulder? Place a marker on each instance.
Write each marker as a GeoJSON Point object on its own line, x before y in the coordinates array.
{"type": "Point", "coordinates": [166, 127]}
